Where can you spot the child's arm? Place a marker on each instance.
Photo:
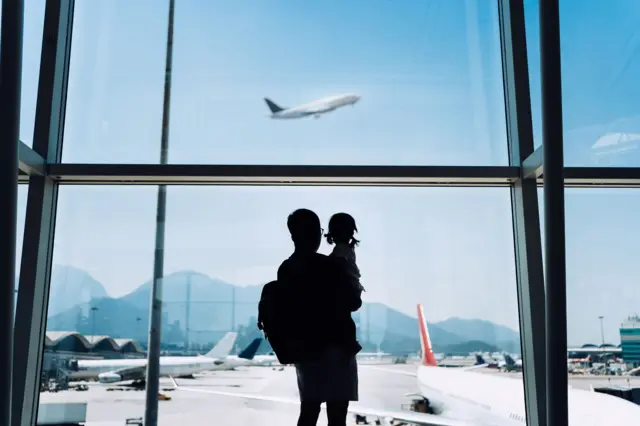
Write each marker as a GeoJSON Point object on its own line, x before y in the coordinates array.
{"type": "Point", "coordinates": [348, 288]}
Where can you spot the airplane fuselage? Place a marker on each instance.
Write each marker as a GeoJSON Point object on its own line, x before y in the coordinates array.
{"type": "Point", "coordinates": [499, 401]}
{"type": "Point", "coordinates": [265, 360]}
{"type": "Point", "coordinates": [111, 371]}
{"type": "Point", "coordinates": [316, 108]}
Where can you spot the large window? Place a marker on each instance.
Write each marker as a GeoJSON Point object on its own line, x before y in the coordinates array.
{"type": "Point", "coordinates": [601, 112]}
{"type": "Point", "coordinates": [257, 88]}
{"type": "Point", "coordinates": [448, 249]}
{"type": "Point", "coordinates": [601, 266]}
{"type": "Point", "coordinates": [600, 108]}
{"type": "Point", "coordinates": [428, 73]}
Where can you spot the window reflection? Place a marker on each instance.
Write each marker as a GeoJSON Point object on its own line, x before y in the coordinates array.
{"type": "Point", "coordinates": [600, 111]}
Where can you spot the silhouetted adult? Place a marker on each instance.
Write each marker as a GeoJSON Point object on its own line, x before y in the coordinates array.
{"type": "Point", "coordinates": [319, 288]}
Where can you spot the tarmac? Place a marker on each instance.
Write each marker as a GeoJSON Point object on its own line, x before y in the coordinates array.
{"type": "Point", "coordinates": [109, 405]}
{"type": "Point", "coordinates": [113, 407]}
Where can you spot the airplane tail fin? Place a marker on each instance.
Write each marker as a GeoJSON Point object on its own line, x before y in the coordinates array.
{"type": "Point", "coordinates": [428, 358]}
{"type": "Point", "coordinates": [250, 351]}
{"type": "Point", "coordinates": [224, 346]}
{"type": "Point", "coordinates": [480, 359]}
{"type": "Point", "coordinates": [508, 360]}
{"type": "Point", "coordinates": [272, 106]}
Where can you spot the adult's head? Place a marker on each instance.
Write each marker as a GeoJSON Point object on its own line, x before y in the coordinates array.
{"type": "Point", "coordinates": [306, 233]}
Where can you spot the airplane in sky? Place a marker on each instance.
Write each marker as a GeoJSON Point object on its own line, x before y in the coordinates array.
{"type": "Point", "coordinates": [464, 397]}
{"type": "Point", "coordinates": [315, 108]}
{"type": "Point", "coordinates": [118, 370]}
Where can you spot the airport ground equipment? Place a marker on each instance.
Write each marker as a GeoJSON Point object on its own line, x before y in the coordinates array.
{"type": "Point", "coordinates": [62, 413]}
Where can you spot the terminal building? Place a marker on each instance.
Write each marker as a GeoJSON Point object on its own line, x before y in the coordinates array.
{"type": "Point", "coordinates": [62, 346]}
{"type": "Point", "coordinates": [630, 340]}
{"type": "Point", "coordinates": [70, 342]}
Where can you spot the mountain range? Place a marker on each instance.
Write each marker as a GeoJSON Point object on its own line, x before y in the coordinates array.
{"type": "Point", "coordinates": [81, 303]}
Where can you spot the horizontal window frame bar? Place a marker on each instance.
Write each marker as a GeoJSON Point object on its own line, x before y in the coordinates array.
{"type": "Point", "coordinates": [608, 177]}
{"type": "Point", "coordinates": [278, 175]}
{"type": "Point", "coordinates": [191, 174]}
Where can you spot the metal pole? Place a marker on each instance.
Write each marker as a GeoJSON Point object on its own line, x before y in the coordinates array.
{"type": "Point", "coordinates": [155, 323]}
{"type": "Point", "coordinates": [10, 86]}
{"type": "Point", "coordinates": [368, 325]}
{"type": "Point", "coordinates": [233, 309]}
{"type": "Point", "coordinates": [93, 325]}
{"type": "Point", "coordinates": [554, 238]}
{"type": "Point", "coordinates": [187, 313]}
{"type": "Point", "coordinates": [601, 318]}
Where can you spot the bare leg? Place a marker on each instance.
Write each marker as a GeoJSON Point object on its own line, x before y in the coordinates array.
{"type": "Point", "coordinates": [309, 413]}
{"type": "Point", "coordinates": [337, 413]}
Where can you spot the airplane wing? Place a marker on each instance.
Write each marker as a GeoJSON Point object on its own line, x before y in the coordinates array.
{"type": "Point", "coordinates": [413, 373]}
{"type": "Point", "coordinates": [422, 419]}
{"type": "Point", "coordinates": [388, 370]}
{"type": "Point", "coordinates": [474, 367]}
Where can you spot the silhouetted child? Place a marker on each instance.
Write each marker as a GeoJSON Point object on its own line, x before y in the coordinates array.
{"type": "Point", "coordinates": [342, 228]}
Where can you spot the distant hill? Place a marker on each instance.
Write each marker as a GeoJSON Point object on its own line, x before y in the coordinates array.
{"type": "Point", "coordinates": [470, 346]}
{"type": "Point", "coordinates": [217, 306]}
{"type": "Point", "coordinates": [70, 287]}
{"type": "Point", "coordinates": [481, 330]}
{"type": "Point", "coordinates": [211, 311]}
{"type": "Point", "coordinates": [111, 317]}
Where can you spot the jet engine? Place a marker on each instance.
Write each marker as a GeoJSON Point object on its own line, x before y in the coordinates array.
{"type": "Point", "coordinates": [109, 378]}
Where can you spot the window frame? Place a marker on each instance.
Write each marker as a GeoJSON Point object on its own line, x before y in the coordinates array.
{"type": "Point", "coordinates": [42, 170]}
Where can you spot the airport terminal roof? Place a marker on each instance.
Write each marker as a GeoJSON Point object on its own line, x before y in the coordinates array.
{"type": "Point", "coordinates": [589, 348]}
{"type": "Point", "coordinates": [76, 342]}
{"type": "Point", "coordinates": [129, 345]}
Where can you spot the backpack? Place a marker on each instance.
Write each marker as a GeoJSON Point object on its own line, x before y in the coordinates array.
{"type": "Point", "coordinates": [276, 321]}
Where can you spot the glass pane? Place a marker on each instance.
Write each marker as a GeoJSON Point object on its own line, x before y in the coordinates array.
{"type": "Point", "coordinates": [600, 65]}
{"type": "Point", "coordinates": [22, 213]}
{"type": "Point", "coordinates": [426, 75]}
{"type": "Point", "coordinates": [103, 253]}
{"type": "Point", "coordinates": [32, 48]}
{"type": "Point", "coordinates": [532, 26]}
{"type": "Point", "coordinates": [449, 249]}
{"type": "Point", "coordinates": [116, 80]}
{"type": "Point", "coordinates": [603, 295]}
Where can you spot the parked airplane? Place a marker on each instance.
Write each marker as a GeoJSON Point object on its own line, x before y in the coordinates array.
{"type": "Point", "coordinates": [489, 364]}
{"type": "Point", "coordinates": [265, 360]}
{"type": "Point", "coordinates": [463, 397]}
{"type": "Point", "coordinates": [243, 359]}
{"type": "Point", "coordinates": [510, 364]}
{"type": "Point", "coordinates": [315, 108]}
{"type": "Point", "coordinates": [92, 369]}
{"type": "Point", "coordinates": [112, 371]}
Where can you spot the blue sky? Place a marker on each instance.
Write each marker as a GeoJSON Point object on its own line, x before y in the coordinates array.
{"type": "Point", "coordinates": [429, 73]}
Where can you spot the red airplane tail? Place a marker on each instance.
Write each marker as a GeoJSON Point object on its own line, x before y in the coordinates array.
{"type": "Point", "coordinates": [428, 358]}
